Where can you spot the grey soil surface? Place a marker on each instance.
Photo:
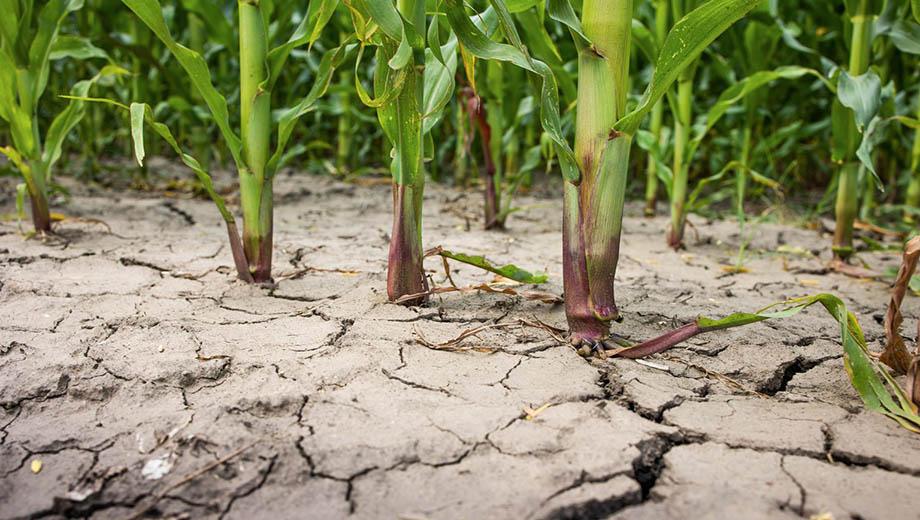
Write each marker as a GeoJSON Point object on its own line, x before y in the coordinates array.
{"type": "Point", "coordinates": [148, 381]}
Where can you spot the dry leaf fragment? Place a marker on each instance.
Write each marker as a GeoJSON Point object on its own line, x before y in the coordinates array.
{"type": "Point", "coordinates": [532, 414]}
{"type": "Point", "coordinates": [896, 355]}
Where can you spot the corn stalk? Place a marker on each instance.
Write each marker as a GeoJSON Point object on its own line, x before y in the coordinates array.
{"type": "Point", "coordinates": [847, 133]}
{"type": "Point", "coordinates": [412, 83]}
{"type": "Point", "coordinates": [255, 159]}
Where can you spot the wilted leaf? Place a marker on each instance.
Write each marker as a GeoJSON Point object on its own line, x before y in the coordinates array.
{"type": "Point", "coordinates": [896, 355]}
{"type": "Point", "coordinates": [510, 271]}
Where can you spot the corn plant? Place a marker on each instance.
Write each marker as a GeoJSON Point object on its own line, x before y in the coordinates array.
{"type": "Point", "coordinates": [255, 159]}
{"type": "Point", "coordinates": [413, 81]}
{"type": "Point", "coordinates": [595, 170]}
{"type": "Point", "coordinates": [30, 39]}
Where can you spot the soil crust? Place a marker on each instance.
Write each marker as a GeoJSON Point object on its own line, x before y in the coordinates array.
{"type": "Point", "coordinates": [139, 377]}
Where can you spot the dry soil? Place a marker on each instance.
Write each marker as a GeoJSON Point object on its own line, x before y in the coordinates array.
{"type": "Point", "coordinates": [138, 377]}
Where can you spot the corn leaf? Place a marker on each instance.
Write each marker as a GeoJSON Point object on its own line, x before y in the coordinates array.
{"type": "Point", "coordinates": [509, 271]}
{"type": "Point", "coordinates": [481, 46]}
{"type": "Point", "coordinates": [331, 59]}
{"type": "Point", "coordinates": [683, 45]}
{"type": "Point", "coordinates": [151, 13]}
{"type": "Point", "coordinates": [562, 12]}
{"type": "Point", "coordinates": [872, 381]}
{"type": "Point", "coordinates": [68, 118]}
{"type": "Point", "coordinates": [644, 40]}
{"type": "Point", "coordinates": [905, 35]}
{"type": "Point", "coordinates": [745, 87]}
{"type": "Point", "coordinates": [50, 19]}
{"type": "Point", "coordinates": [862, 94]}
{"type": "Point", "coordinates": [308, 31]}
{"type": "Point", "coordinates": [439, 83]}
{"type": "Point", "coordinates": [75, 47]}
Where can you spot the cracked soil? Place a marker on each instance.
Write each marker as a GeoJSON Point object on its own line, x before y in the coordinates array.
{"type": "Point", "coordinates": [150, 383]}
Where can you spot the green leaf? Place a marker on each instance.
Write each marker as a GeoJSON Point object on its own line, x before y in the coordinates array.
{"type": "Point", "coordinates": [68, 118]}
{"type": "Point", "coordinates": [481, 46]}
{"type": "Point", "coordinates": [151, 13]}
{"type": "Point", "coordinates": [683, 45]}
{"type": "Point", "coordinates": [308, 31]}
{"type": "Point", "coordinates": [75, 47]}
{"type": "Point", "coordinates": [915, 9]}
{"type": "Point", "coordinates": [137, 135]}
{"type": "Point", "coordinates": [745, 87]}
{"type": "Point", "coordinates": [905, 35]}
{"type": "Point", "coordinates": [50, 19]}
{"type": "Point", "coordinates": [439, 83]}
{"type": "Point", "coordinates": [862, 94]}
{"type": "Point", "coordinates": [644, 40]}
{"type": "Point", "coordinates": [562, 12]}
{"type": "Point", "coordinates": [330, 61]}
{"type": "Point", "coordinates": [510, 271]}
{"type": "Point", "coordinates": [138, 113]}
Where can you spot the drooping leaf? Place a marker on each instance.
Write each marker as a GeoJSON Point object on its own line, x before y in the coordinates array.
{"type": "Point", "coordinates": [745, 87]}
{"type": "Point", "coordinates": [330, 61]}
{"type": "Point", "coordinates": [562, 12]}
{"type": "Point", "coordinates": [905, 35]}
{"type": "Point", "coordinates": [879, 391]}
{"type": "Point", "coordinates": [68, 118]}
{"type": "Point", "coordinates": [439, 83]}
{"type": "Point", "coordinates": [509, 271]}
{"type": "Point", "coordinates": [151, 13]}
{"type": "Point", "coordinates": [478, 44]}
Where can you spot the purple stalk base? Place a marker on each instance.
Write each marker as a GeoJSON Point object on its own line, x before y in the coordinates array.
{"type": "Point", "coordinates": [589, 308]}
{"type": "Point", "coordinates": [676, 238]}
{"type": "Point", "coordinates": [259, 248]}
{"type": "Point", "coordinates": [405, 272]}
{"type": "Point", "coordinates": [913, 382]}
{"type": "Point", "coordinates": [239, 255]}
{"type": "Point", "coordinates": [663, 342]}
{"type": "Point", "coordinates": [41, 218]}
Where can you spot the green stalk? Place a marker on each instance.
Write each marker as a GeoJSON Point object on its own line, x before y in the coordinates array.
{"type": "Point", "coordinates": [848, 189]}
{"type": "Point", "coordinates": [593, 214]}
{"type": "Point", "coordinates": [460, 159]}
{"type": "Point", "coordinates": [741, 173]}
{"type": "Point", "coordinates": [345, 124]}
{"type": "Point", "coordinates": [406, 282]}
{"type": "Point", "coordinates": [651, 170]}
{"type": "Point", "coordinates": [255, 111]}
{"type": "Point", "coordinates": [682, 124]}
{"type": "Point", "coordinates": [493, 142]}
